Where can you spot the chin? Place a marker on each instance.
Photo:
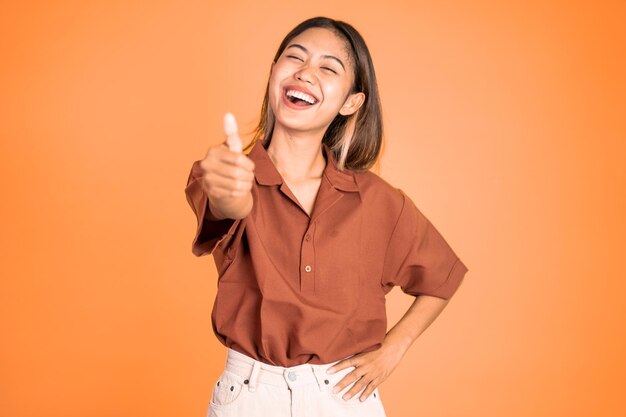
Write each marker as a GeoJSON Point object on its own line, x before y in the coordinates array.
{"type": "Point", "coordinates": [291, 120]}
{"type": "Point", "coordinates": [293, 124]}
{"type": "Point", "coordinates": [301, 122]}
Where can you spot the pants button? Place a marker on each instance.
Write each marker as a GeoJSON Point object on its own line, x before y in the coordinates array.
{"type": "Point", "coordinates": [292, 376]}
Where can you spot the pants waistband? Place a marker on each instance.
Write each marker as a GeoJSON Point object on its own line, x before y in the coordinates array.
{"type": "Point", "coordinates": [255, 372]}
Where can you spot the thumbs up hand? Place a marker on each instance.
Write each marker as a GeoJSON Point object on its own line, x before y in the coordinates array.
{"type": "Point", "coordinates": [228, 175]}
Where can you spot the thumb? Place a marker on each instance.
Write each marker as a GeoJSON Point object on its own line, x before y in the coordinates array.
{"type": "Point", "coordinates": [232, 137]}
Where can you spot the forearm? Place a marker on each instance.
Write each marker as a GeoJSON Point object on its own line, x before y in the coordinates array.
{"type": "Point", "coordinates": [417, 318]}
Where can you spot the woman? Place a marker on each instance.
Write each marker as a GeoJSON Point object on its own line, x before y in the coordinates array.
{"type": "Point", "coordinates": [307, 241]}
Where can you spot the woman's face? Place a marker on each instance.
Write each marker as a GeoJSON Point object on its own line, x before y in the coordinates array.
{"type": "Point", "coordinates": [311, 81]}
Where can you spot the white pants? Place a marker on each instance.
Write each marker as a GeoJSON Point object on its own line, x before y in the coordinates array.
{"type": "Point", "coordinates": [249, 388]}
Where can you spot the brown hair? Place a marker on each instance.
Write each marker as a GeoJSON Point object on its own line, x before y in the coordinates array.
{"type": "Point", "coordinates": [354, 140]}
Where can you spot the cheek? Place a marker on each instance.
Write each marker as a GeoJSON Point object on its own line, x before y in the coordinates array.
{"type": "Point", "coordinates": [279, 71]}
{"type": "Point", "coordinates": [276, 77]}
{"type": "Point", "coordinates": [336, 94]}
{"type": "Point", "coordinates": [274, 88]}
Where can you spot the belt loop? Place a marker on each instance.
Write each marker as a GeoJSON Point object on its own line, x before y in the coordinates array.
{"type": "Point", "coordinates": [254, 376]}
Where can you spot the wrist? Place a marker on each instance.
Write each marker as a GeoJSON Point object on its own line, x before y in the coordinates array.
{"type": "Point", "coordinates": [230, 207]}
{"type": "Point", "coordinates": [397, 343]}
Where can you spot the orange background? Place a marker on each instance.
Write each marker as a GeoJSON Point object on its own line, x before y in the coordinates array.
{"type": "Point", "coordinates": [505, 123]}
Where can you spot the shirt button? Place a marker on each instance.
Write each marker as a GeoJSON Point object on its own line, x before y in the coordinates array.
{"type": "Point", "coordinates": [308, 268]}
{"type": "Point", "coordinates": [292, 376]}
{"type": "Point", "coordinates": [307, 237]}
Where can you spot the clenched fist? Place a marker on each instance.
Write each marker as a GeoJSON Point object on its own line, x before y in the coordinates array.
{"type": "Point", "coordinates": [228, 175]}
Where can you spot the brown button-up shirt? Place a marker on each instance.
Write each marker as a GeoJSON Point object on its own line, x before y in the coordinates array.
{"type": "Point", "coordinates": [294, 288]}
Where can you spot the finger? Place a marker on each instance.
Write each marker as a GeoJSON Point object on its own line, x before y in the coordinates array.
{"type": "Point", "coordinates": [346, 363]}
{"type": "Point", "coordinates": [227, 163]}
{"type": "Point", "coordinates": [220, 192]}
{"type": "Point", "coordinates": [213, 180]}
{"type": "Point", "coordinates": [356, 388]}
{"type": "Point", "coordinates": [230, 171]}
{"type": "Point", "coordinates": [246, 163]}
{"type": "Point", "coordinates": [234, 158]}
{"type": "Point", "coordinates": [368, 391]}
{"type": "Point", "coordinates": [345, 381]}
{"type": "Point", "coordinates": [232, 137]}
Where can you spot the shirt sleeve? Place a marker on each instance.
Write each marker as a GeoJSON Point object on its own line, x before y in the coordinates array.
{"type": "Point", "coordinates": [209, 231]}
{"type": "Point", "coordinates": [418, 259]}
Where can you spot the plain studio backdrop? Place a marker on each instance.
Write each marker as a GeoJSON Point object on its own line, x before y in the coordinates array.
{"type": "Point", "coordinates": [505, 123]}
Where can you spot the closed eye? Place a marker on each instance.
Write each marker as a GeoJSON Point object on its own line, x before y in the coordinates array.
{"type": "Point", "coordinates": [296, 57]}
{"type": "Point", "coordinates": [329, 69]}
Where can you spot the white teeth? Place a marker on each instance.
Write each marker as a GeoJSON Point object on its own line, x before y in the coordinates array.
{"type": "Point", "coordinates": [301, 96]}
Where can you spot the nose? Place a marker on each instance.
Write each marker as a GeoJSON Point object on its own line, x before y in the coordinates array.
{"type": "Point", "coordinates": [305, 74]}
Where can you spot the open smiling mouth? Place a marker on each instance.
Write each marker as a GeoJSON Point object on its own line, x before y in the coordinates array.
{"type": "Point", "coordinates": [299, 98]}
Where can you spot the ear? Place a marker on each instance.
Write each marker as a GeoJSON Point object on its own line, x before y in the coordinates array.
{"type": "Point", "coordinates": [352, 104]}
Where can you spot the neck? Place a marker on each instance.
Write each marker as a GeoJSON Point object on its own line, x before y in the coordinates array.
{"type": "Point", "coordinates": [297, 157]}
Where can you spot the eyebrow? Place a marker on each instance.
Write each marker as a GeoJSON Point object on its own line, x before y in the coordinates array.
{"type": "Point", "coordinates": [296, 45]}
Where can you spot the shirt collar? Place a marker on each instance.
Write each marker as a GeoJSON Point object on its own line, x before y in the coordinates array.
{"type": "Point", "coordinates": [266, 173]}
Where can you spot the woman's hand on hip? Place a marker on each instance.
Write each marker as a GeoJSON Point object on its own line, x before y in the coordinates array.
{"type": "Point", "coordinates": [371, 369]}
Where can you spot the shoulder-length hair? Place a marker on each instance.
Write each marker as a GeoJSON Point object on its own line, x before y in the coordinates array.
{"type": "Point", "coordinates": [354, 140]}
